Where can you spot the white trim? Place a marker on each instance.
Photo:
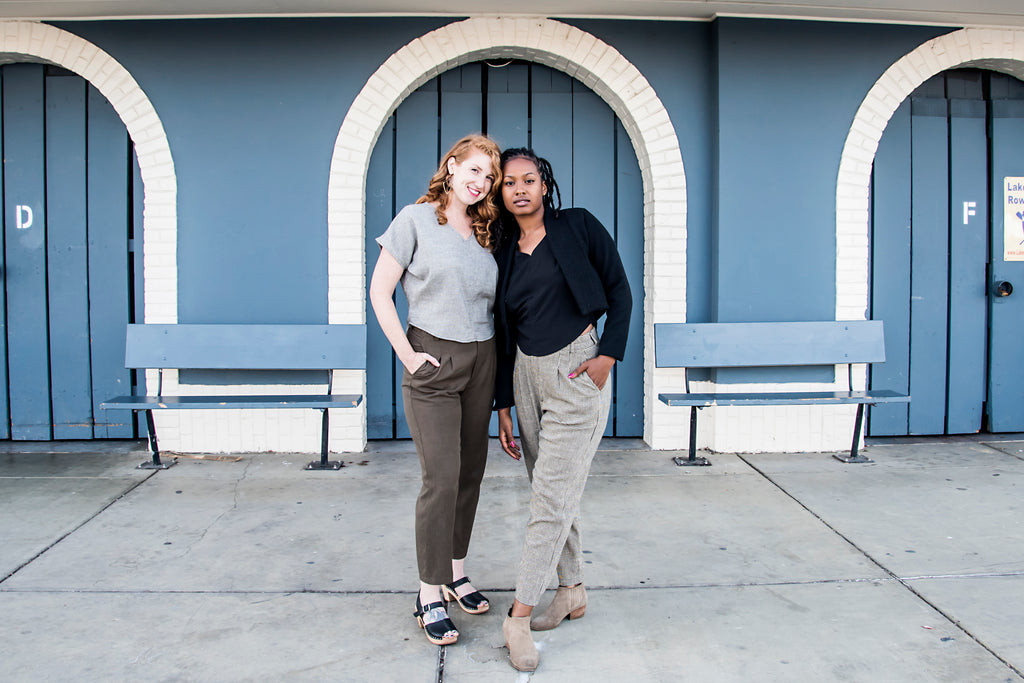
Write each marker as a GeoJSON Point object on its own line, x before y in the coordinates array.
{"type": "Point", "coordinates": [558, 45]}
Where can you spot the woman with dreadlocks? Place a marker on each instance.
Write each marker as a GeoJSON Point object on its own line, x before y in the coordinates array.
{"type": "Point", "coordinates": [558, 273]}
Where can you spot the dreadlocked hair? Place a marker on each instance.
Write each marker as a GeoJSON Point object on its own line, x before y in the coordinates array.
{"type": "Point", "coordinates": [483, 215]}
{"type": "Point", "coordinates": [507, 221]}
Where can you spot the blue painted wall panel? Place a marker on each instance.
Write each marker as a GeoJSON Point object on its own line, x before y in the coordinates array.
{"type": "Point", "coordinates": [890, 268]}
{"type": "Point", "coordinates": [67, 258]}
{"type": "Point", "coordinates": [380, 369]}
{"type": "Point", "coordinates": [929, 265]}
{"type": "Point", "coordinates": [461, 105]}
{"type": "Point", "coordinates": [781, 129]}
{"type": "Point", "coordinates": [25, 243]}
{"type": "Point", "coordinates": [629, 227]}
{"type": "Point", "coordinates": [137, 294]}
{"type": "Point", "coordinates": [108, 170]}
{"type": "Point", "coordinates": [593, 175]}
{"type": "Point", "coordinates": [1006, 379]}
{"type": "Point", "coordinates": [507, 105]}
{"type": "Point", "coordinates": [968, 256]}
{"type": "Point", "coordinates": [551, 121]}
{"type": "Point", "coordinates": [5, 416]}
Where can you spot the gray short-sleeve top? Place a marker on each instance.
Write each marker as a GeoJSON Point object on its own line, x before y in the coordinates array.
{"type": "Point", "coordinates": [449, 281]}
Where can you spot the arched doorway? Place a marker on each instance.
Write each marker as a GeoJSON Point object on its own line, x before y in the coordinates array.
{"type": "Point", "coordinates": [518, 104]}
{"type": "Point", "coordinates": [598, 66]}
{"type": "Point", "coordinates": [72, 197]}
{"type": "Point", "coordinates": [938, 254]}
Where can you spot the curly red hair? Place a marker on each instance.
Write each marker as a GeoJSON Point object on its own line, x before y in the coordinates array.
{"type": "Point", "coordinates": [484, 213]}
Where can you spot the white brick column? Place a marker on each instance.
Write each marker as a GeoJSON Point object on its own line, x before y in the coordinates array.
{"type": "Point", "coordinates": [598, 66]}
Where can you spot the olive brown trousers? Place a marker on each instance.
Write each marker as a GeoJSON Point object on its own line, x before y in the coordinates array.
{"type": "Point", "coordinates": [448, 409]}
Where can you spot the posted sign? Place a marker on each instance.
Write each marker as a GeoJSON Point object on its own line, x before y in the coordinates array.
{"type": "Point", "coordinates": [1013, 219]}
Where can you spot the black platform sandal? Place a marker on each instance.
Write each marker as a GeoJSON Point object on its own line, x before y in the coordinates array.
{"type": "Point", "coordinates": [473, 603]}
{"type": "Point", "coordinates": [434, 621]}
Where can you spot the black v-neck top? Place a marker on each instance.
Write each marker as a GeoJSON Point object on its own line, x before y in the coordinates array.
{"type": "Point", "coordinates": [540, 303]}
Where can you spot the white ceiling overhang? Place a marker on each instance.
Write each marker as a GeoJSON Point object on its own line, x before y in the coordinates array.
{"type": "Point", "coordinates": [988, 13]}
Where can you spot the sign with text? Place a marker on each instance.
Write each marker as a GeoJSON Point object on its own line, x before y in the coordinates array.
{"type": "Point", "coordinates": [1013, 219]}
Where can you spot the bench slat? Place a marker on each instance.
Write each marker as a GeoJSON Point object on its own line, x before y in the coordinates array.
{"type": "Point", "coordinates": [784, 398]}
{"type": "Point", "coordinates": [246, 347]}
{"type": "Point", "coordinates": [255, 401]}
{"type": "Point", "coordinates": [722, 345]}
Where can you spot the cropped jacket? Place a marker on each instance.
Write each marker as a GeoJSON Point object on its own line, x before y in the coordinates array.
{"type": "Point", "coordinates": [588, 258]}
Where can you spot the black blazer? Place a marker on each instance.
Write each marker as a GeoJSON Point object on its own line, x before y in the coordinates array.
{"type": "Point", "coordinates": [588, 258]}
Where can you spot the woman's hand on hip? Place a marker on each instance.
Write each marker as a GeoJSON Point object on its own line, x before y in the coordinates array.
{"type": "Point", "coordinates": [508, 442]}
{"type": "Point", "coordinates": [416, 360]}
{"type": "Point", "coordinates": [597, 368]}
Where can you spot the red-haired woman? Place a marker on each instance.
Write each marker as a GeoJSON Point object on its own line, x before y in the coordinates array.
{"type": "Point", "coordinates": [440, 250]}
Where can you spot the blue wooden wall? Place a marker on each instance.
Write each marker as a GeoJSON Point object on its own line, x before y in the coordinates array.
{"type": "Point", "coordinates": [252, 108]}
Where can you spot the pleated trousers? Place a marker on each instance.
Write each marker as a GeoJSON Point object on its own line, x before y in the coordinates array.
{"type": "Point", "coordinates": [448, 409]}
{"type": "Point", "coordinates": [561, 422]}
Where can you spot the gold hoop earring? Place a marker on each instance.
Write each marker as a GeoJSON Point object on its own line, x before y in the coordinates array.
{"type": "Point", "coordinates": [446, 186]}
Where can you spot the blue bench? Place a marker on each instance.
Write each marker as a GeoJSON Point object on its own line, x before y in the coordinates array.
{"type": "Point", "coordinates": [242, 347]}
{"type": "Point", "coordinates": [748, 345]}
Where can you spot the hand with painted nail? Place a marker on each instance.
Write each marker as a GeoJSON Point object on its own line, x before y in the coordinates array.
{"type": "Point", "coordinates": [508, 442]}
{"type": "Point", "coordinates": [597, 368]}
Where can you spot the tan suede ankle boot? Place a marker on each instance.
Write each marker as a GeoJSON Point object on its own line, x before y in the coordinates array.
{"type": "Point", "coordinates": [569, 601]}
{"type": "Point", "coordinates": [521, 650]}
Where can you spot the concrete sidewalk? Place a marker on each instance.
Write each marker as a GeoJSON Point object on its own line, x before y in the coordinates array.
{"type": "Point", "coordinates": [775, 567]}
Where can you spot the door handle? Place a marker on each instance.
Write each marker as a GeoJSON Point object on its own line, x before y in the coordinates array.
{"type": "Point", "coordinates": [1002, 288]}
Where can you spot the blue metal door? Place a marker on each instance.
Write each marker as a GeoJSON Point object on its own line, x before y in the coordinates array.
{"type": "Point", "coordinates": [1006, 342]}
{"type": "Point", "coordinates": [931, 280]}
{"type": "Point", "coordinates": [518, 104]}
{"type": "Point", "coordinates": [68, 212]}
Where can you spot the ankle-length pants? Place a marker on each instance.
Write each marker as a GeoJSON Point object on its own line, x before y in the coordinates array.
{"type": "Point", "coordinates": [448, 409]}
{"type": "Point", "coordinates": [561, 421]}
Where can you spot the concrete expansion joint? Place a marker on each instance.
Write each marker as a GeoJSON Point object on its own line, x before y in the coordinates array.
{"type": "Point", "coordinates": [85, 521]}
{"type": "Point", "coordinates": [441, 651]}
{"type": "Point", "coordinates": [905, 583]}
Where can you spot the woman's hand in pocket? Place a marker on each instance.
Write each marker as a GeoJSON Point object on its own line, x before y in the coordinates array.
{"type": "Point", "coordinates": [417, 359]}
{"type": "Point", "coordinates": [597, 368]}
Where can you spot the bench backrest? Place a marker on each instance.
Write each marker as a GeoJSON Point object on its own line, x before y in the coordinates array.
{"type": "Point", "coordinates": [246, 347]}
{"type": "Point", "coordinates": [724, 345]}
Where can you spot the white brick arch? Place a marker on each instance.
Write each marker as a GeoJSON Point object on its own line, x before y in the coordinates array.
{"type": "Point", "coordinates": [23, 41]}
{"type": "Point", "coordinates": [566, 48]}
{"type": "Point", "coordinates": [994, 49]}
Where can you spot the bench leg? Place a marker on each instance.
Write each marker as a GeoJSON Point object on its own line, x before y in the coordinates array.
{"type": "Point", "coordinates": [692, 460]}
{"type": "Point", "coordinates": [323, 463]}
{"type": "Point", "coordinates": [854, 455]}
{"type": "Point", "coordinates": [154, 464]}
